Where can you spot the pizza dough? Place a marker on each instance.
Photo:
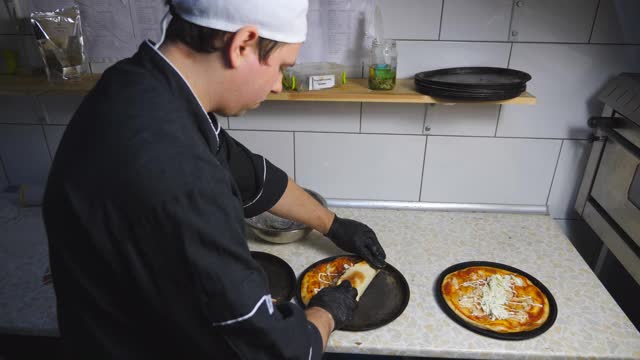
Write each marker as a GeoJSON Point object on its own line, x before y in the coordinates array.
{"type": "Point", "coordinates": [331, 273]}
{"type": "Point", "coordinates": [360, 276]}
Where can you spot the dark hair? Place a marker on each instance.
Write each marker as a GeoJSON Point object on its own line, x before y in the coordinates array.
{"type": "Point", "coordinates": [203, 39]}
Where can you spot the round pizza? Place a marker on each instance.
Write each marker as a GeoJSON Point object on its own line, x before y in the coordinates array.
{"type": "Point", "coordinates": [495, 299]}
{"type": "Point", "coordinates": [332, 272]}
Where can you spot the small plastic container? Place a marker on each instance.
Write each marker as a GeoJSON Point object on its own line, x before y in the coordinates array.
{"type": "Point", "coordinates": [314, 76]}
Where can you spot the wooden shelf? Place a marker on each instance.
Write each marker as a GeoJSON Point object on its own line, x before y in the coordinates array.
{"type": "Point", "coordinates": [355, 90]}
{"type": "Point", "coordinates": [32, 85]}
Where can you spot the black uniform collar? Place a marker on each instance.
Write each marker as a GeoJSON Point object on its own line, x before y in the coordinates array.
{"type": "Point", "coordinates": [207, 122]}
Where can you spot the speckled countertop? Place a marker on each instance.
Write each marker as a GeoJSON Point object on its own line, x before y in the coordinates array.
{"type": "Point", "coordinates": [420, 244]}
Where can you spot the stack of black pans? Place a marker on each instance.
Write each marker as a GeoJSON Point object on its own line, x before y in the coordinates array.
{"type": "Point", "coordinates": [472, 83]}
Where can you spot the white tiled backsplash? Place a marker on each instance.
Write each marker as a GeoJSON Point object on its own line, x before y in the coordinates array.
{"type": "Point", "coordinates": [511, 154]}
{"type": "Point", "coordinates": [489, 170]}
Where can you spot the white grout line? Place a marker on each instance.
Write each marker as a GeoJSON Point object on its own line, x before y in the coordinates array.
{"type": "Point", "coordinates": [513, 9]}
{"type": "Point", "coordinates": [593, 24]}
{"type": "Point", "coordinates": [46, 142]}
{"type": "Point", "coordinates": [424, 164]}
{"type": "Point", "coordinates": [4, 170]}
{"type": "Point", "coordinates": [555, 171]}
{"type": "Point", "coordinates": [495, 133]}
{"type": "Point", "coordinates": [294, 157]}
{"type": "Point", "coordinates": [441, 20]}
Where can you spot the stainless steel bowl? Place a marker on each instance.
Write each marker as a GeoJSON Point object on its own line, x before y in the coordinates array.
{"type": "Point", "coordinates": [271, 228]}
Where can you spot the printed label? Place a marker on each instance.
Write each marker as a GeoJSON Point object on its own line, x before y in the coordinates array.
{"type": "Point", "coordinates": [319, 82]}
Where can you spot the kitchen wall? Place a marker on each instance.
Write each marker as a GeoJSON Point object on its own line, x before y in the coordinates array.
{"type": "Point", "coordinates": [484, 154]}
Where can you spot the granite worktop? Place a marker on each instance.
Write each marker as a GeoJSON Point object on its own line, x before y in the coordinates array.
{"type": "Point", "coordinates": [418, 243]}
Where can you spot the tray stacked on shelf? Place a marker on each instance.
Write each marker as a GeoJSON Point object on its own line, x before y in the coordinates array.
{"type": "Point", "coordinates": [472, 83]}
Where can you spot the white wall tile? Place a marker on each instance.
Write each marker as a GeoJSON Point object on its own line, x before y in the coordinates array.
{"type": "Point", "coordinates": [462, 119]}
{"type": "Point", "coordinates": [13, 43]}
{"type": "Point", "coordinates": [7, 26]}
{"type": "Point", "coordinates": [417, 56]}
{"type": "Point", "coordinates": [32, 57]}
{"type": "Point", "coordinates": [60, 108]}
{"type": "Point", "coordinates": [553, 20]}
{"type": "Point", "coordinates": [100, 67]}
{"type": "Point", "coordinates": [277, 147]}
{"type": "Point", "coordinates": [617, 22]}
{"type": "Point", "coordinates": [20, 109]}
{"type": "Point", "coordinates": [573, 159]}
{"type": "Point", "coordinates": [489, 170]}
{"type": "Point", "coordinates": [54, 135]}
{"type": "Point", "coordinates": [24, 153]}
{"type": "Point", "coordinates": [300, 116]}
{"type": "Point", "coordinates": [411, 19]}
{"type": "Point", "coordinates": [393, 118]}
{"type": "Point", "coordinates": [359, 166]}
{"type": "Point", "coordinates": [481, 20]}
{"type": "Point", "coordinates": [223, 121]}
{"type": "Point", "coordinates": [566, 81]}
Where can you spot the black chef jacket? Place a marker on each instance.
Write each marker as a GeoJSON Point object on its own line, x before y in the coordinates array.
{"type": "Point", "coordinates": [144, 212]}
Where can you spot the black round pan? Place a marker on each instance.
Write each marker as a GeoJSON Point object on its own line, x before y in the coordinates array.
{"type": "Point", "coordinates": [472, 90]}
{"type": "Point", "coordinates": [385, 299]}
{"type": "Point", "coordinates": [523, 335]}
{"type": "Point", "coordinates": [282, 279]}
{"type": "Point", "coordinates": [474, 77]}
{"type": "Point", "coordinates": [457, 95]}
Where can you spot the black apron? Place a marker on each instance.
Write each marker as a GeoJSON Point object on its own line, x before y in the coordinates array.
{"type": "Point", "coordinates": [144, 211]}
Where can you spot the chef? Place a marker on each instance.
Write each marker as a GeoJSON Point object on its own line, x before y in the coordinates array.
{"type": "Point", "coordinates": [147, 195]}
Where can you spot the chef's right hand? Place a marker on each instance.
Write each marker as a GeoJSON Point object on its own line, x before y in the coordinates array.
{"type": "Point", "coordinates": [339, 301]}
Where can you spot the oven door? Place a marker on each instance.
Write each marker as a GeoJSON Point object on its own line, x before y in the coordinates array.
{"type": "Point", "coordinates": [609, 198]}
{"type": "Point", "coordinates": [617, 187]}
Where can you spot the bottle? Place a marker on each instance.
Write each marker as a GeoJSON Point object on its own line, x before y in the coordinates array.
{"type": "Point", "coordinates": [383, 62]}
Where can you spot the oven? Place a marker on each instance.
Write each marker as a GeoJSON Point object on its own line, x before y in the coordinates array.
{"type": "Point", "coordinates": [609, 195]}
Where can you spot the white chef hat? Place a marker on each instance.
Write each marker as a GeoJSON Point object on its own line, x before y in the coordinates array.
{"type": "Point", "coordinates": [279, 20]}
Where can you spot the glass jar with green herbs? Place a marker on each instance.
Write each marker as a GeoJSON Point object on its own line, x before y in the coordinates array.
{"type": "Point", "coordinates": [383, 62]}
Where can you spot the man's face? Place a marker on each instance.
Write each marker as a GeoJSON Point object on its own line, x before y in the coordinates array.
{"type": "Point", "coordinates": [254, 80]}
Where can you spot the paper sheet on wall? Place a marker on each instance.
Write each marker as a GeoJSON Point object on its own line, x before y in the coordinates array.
{"type": "Point", "coordinates": [338, 31]}
{"type": "Point", "coordinates": [113, 29]}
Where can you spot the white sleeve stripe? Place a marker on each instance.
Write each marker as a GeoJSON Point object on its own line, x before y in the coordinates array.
{"type": "Point", "coordinates": [266, 299]}
{"type": "Point", "coordinates": [264, 179]}
{"type": "Point", "coordinates": [310, 352]}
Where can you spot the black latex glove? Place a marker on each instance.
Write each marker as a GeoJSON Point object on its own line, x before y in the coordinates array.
{"type": "Point", "coordinates": [357, 238]}
{"type": "Point", "coordinates": [339, 301]}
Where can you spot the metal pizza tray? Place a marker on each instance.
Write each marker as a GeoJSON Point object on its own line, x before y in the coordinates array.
{"type": "Point", "coordinates": [523, 335]}
{"type": "Point", "coordinates": [457, 95]}
{"type": "Point", "coordinates": [385, 299]}
{"type": "Point", "coordinates": [474, 77]}
{"type": "Point", "coordinates": [282, 279]}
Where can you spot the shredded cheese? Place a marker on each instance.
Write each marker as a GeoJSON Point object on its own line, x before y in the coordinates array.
{"type": "Point", "coordinates": [495, 297]}
{"type": "Point", "coordinates": [330, 281]}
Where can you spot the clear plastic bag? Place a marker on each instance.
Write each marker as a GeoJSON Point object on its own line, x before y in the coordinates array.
{"type": "Point", "coordinates": [59, 37]}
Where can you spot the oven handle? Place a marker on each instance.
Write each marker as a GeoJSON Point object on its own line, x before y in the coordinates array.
{"type": "Point", "coordinates": [607, 126]}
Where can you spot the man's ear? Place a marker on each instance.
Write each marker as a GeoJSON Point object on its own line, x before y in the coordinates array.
{"type": "Point", "coordinates": [243, 45]}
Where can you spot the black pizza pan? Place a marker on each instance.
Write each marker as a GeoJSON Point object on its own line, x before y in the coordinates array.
{"type": "Point", "coordinates": [474, 77]}
{"type": "Point", "coordinates": [523, 335]}
{"type": "Point", "coordinates": [472, 90]}
{"type": "Point", "coordinates": [386, 297]}
{"type": "Point", "coordinates": [282, 279]}
{"type": "Point", "coordinates": [467, 96]}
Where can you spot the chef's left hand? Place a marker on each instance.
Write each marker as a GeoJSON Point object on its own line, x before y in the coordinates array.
{"type": "Point", "coordinates": [357, 238]}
